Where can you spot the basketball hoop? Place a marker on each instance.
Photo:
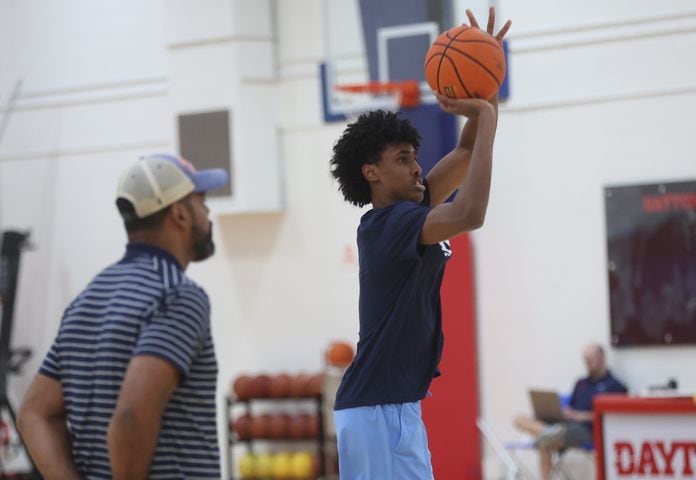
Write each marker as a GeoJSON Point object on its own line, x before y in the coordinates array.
{"type": "Point", "coordinates": [363, 97]}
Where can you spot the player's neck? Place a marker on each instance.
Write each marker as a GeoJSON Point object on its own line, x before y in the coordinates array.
{"type": "Point", "coordinates": [164, 242]}
{"type": "Point", "coordinates": [381, 199]}
{"type": "Point", "coordinates": [599, 374]}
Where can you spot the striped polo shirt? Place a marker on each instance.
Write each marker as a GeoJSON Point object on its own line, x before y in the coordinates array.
{"type": "Point", "coordinates": [142, 305]}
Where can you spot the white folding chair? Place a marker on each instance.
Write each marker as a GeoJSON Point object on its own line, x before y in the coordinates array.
{"type": "Point", "coordinates": [558, 469]}
{"type": "Point", "coordinates": [513, 467]}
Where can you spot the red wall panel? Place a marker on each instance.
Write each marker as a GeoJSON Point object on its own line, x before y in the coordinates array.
{"type": "Point", "coordinates": [450, 414]}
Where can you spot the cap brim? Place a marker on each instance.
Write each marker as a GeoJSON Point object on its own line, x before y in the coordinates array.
{"type": "Point", "coordinates": [209, 179]}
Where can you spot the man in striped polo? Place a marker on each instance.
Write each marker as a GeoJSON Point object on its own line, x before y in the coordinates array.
{"type": "Point", "coordinates": [127, 390]}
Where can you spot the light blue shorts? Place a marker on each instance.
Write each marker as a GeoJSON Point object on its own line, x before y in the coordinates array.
{"type": "Point", "coordinates": [383, 442]}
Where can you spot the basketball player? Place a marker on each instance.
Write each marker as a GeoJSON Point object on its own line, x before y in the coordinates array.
{"type": "Point", "coordinates": [403, 248]}
{"type": "Point", "coordinates": [128, 389]}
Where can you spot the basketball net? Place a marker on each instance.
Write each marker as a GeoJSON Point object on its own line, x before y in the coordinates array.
{"type": "Point", "coordinates": [357, 99]}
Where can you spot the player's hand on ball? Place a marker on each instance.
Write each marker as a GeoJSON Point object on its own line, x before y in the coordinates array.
{"type": "Point", "coordinates": [467, 107]}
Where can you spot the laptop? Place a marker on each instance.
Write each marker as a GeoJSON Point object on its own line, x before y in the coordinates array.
{"type": "Point", "coordinates": [546, 405]}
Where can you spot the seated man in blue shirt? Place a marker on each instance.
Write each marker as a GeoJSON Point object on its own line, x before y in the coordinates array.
{"type": "Point", "coordinates": [576, 431]}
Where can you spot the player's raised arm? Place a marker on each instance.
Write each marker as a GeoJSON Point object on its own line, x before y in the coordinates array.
{"type": "Point", "coordinates": [446, 176]}
{"type": "Point", "coordinates": [468, 209]}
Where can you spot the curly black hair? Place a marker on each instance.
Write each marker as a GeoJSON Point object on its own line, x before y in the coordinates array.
{"type": "Point", "coordinates": [363, 142]}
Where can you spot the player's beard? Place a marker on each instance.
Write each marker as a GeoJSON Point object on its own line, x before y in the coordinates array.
{"type": "Point", "coordinates": [202, 242]}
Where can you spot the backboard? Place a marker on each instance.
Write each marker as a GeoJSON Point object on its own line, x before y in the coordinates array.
{"type": "Point", "coordinates": [382, 41]}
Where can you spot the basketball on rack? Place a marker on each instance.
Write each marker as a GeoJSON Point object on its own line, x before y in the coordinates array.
{"type": "Point", "coordinates": [241, 387]}
{"type": "Point", "coordinates": [260, 426]}
{"type": "Point", "coordinates": [260, 386]}
{"type": "Point", "coordinates": [278, 425]}
{"type": "Point", "coordinates": [298, 384]}
{"type": "Point", "coordinates": [243, 426]}
{"type": "Point", "coordinates": [280, 386]}
{"type": "Point", "coordinates": [282, 465]}
{"type": "Point", "coordinates": [465, 62]}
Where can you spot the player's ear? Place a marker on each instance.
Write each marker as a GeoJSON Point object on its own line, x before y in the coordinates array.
{"type": "Point", "coordinates": [369, 171]}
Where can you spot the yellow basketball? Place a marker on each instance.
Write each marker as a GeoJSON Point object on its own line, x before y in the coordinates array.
{"type": "Point", "coordinates": [264, 465]}
{"type": "Point", "coordinates": [302, 465]}
{"type": "Point", "coordinates": [282, 467]}
{"type": "Point", "coordinates": [247, 466]}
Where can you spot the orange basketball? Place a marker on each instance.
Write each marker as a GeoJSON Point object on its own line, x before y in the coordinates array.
{"type": "Point", "coordinates": [280, 386]}
{"type": "Point", "coordinates": [260, 386]}
{"type": "Point", "coordinates": [339, 354]}
{"type": "Point", "coordinates": [260, 426]}
{"type": "Point", "coordinates": [314, 385]}
{"type": "Point", "coordinates": [296, 426]}
{"type": "Point", "coordinates": [298, 385]}
{"type": "Point", "coordinates": [310, 425]}
{"type": "Point", "coordinates": [278, 425]}
{"type": "Point", "coordinates": [243, 426]}
{"type": "Point", "coordinates": [242, 387]}
{"type": "Point", "coordinates": [465, 62]}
